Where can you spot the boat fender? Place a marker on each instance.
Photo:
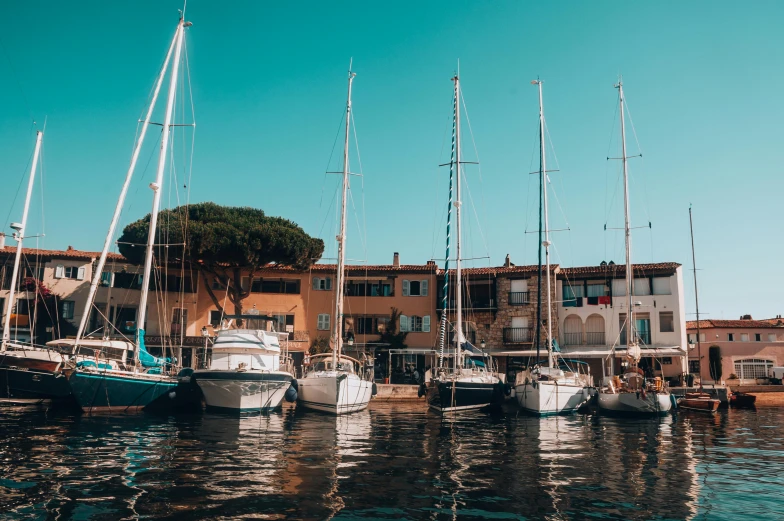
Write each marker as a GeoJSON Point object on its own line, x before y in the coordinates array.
{"type": "Point", "coordinates": [507, 389]}
{"type": "Point", "coordinates": [172, 395]}
{"type": "Point", "coordinates": [375, 390]}
{"type": "Point", "coordinates": [673, 401]}
{"type": "Point", "coordinates": [295, 384]}
{"type": "Point", "coordinates": [291, 394]}
{"type": "Point", "coordinates": [421, 391]}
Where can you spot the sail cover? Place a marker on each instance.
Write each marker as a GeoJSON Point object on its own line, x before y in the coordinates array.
{"type": "Point", "coordinates": [148, 360]}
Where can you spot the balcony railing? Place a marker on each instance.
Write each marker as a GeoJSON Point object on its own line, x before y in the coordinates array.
{"type": "Point", "coordinates": [595, 338]}
{"type": "Point", "coordinates": [517, 335]}
{"type": "Point", "coordinates": [518, 298]}
{"type": "Point", "coordinates": [643, 337]}
{"type": "Point", "coordinates": [572, 339]}
{"type": "Point", "coordinates": [469, 304]}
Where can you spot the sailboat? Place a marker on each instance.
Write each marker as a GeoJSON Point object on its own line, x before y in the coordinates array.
{"type": "Point", "coordinates": [631, 394]}
{"type": "Point", "coordinates": [549, 390]}
{"type": "Point", "coordinates": [146, 381]}
{"type": "Point", "coordinates": [28, 373]}
{"type": "Point", "coordinates": [333, 382]}
{"type": "Point", "coordinates": [469, 383]}
{"type": "Point", "coordinates": [699, 401]}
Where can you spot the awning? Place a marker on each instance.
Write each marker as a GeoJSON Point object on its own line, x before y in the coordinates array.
{"type": "Point", "coordinates": [595, 352]}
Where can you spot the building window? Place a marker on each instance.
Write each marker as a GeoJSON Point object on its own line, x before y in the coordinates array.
{"type": "Point", "coordinates": [175, 283]}
{"type": "Point", "coordinates": [661, 286]}
{"type": "Point", "coordinates": [666, 360]}
{"type": "Point", "coordinates": [666, 323]}
{"type": "Point", "coordinates": [68, 272]}
{"type": "Point", "coordinates": [290, 286]}
{"type": "Point", "coordinates": [597, 289]}
{"type": "Point", "coordinates": [97, 319]}
{"type": "Point", "coordinates": [106, 279]}
{"type": "Point", "coordinates": [179, 321]}
{"type": "Point", "coordinates": [67, 309]}
{"type": "Point", "coordinates": [758, 337]}
{"type": "Point", "coordinates": [642, 326]}
{"type": "Point", "coordinates": [382, 324]}
{"type": "Point", "coordinates": [284, 324]}
{"type": "Point", "coordinates": [415, 324]}
{"type": "Point", "coordinates": [750, 368]}
{"type": "Point", "coordinates": [771, 337]}
{"type": "Point", "coordinates": [572, 291]}
{"type": "Point", "coordinates": [127, 280]}
{"type": "Point", "coordinates": [694, 366]}
{"type": "Point", "coordinates": [415, 288]}
{"type": "Point", "coordinates": [744, 337]}
{"type": "Point", "coordinates": [215, 318]}
{"type": "Point", "coordinates": [619, 287]}
{"type": "Point", "coordinates": [322, 284]}
{"type": "Point", "coordinates": [730, 337]}
{"type": "Point", "coordinates": [641, 287]}
{"type": "Point", "coordinates": [364, 288]}
{"type": "Point", "coordinates": [323, 321]}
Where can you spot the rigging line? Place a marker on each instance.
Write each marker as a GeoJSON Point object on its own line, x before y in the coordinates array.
{"type": "Point", "coordinates": [362, 186]}
{"type": "Point", "coordinates": [558, 202]}
{"type": "Point", "coordinates": [479, 168]}
{"type": "Point", "coordinates": [331, 154]}
{"type": "Point", "coordinates": [18, 188]}
{"type": "Point", "coordinates": [552, 147]}
{"type": "Point", "coordinates": [473, 207]}
{"type": "Point", "coordinates": [436, 191]}
{"type": "Point", "coordinates": [534, 154]}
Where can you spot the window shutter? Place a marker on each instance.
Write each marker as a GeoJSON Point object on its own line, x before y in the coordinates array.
{"type": "Point", "coordinates": [328, 285]}
{"type": "Point", "coordinates": [406, 289]}
{"type": "Point", "coordinates": [316, 283]}
{"type": "Point", "coordinates": [403, 323]}
{"type": "Point", "coordinates": [326, 321]}
{"type": "Point", "coordinates": [59, 271]}
{"type": "Point", "coordinates": [423, 288]}
{"type": "Point", "coordinates": [80, 274]}
{"type": "Point", "coordinates": [426, 323]}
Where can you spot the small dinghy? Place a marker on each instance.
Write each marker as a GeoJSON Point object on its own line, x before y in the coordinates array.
{"type": "Point", "coordinates": [699, 402]}
{"type": "Point", "coordinates": [741, 399]}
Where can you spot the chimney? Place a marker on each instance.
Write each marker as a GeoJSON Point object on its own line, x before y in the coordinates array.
{"type": "Point", "coordinates": [70, 248]}
{"type": "Point", "coordinates": [746, 317]}
{"type": "Point", "coordinates": [2, 240]}
{"type": "Point", "coordinates": [396, 260]}
{"type": "Point", "coordinates": [507, 261]}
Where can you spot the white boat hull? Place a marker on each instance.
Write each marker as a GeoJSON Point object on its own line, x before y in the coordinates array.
{"type": "Point", "coordinates": [633, 403]}
{"type": "Point", "coordinates": [549, 398]}
{"type": "Point", "coordinates": [235, 391]}
{"type": "Point", "coordinates": [334, 393]}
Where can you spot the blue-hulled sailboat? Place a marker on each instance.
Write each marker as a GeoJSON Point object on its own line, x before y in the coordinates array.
{"type": "Point", "coordinates": [148, 381]}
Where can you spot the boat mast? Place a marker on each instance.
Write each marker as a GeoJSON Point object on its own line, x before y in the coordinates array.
{"type": "Point", "coordinates": [19, 236]}
{"type": "Point", "coordinates": [546, 241]}
{"type": "Point", "coordinates": [156, 186]}
{"type": "Point", "coordinates": [630, 330]}
{"type": "Point", "coordinates": [121, 201]}
{"type": "Point", "coordinates": [696, 299]}
{"type": "Point", "coordinates": [458, 203]}
{"type": "Point", "coordinates": [338, 340]}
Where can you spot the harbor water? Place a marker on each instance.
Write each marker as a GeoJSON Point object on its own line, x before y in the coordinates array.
{"type": "Point", "coordinates": [393, 461]}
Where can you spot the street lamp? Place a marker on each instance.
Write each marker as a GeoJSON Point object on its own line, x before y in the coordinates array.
{"type": "Point", "coordinates": [482, 344]}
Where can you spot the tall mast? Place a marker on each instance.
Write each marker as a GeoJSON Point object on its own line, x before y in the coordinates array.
{"type": "Point", "coordinates": [121, 201]}
{"type": "Point", "coordinates": [546, 241]}
{"type": "Point", "coordinates": [19, 235]}
{"type": "Point", "coordinates": [156, 186]}
{"type": "Point", "coordinates": [338, 340]}
{"type": "Point", "coordinates": [458, 273]}
{"type": "Point", "coordinates": [445, 298]}
{"type": "Point", "coordinates": [696, 299]}
{"type": "Point", "coordinates": [630, 332]}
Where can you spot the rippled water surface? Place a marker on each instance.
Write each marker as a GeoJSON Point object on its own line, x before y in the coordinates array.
{"type": "Point", "coordinates": [391, 462]}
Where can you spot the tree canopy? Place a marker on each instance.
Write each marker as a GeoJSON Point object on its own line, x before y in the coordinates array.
{"type": "Point", "coordinates": [228, 242]}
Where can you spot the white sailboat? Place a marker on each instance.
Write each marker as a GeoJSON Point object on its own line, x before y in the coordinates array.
{"type": "Point", "coordinates": [631, 394]}
{"type": "Point", "coordinates": [469, 383]}
{"type": "Point", "coordinates": [549, 390]}
{"type": "Point", "coordinates": [147, 380]}
{"type": "Point", "coordinates": [333, 382]}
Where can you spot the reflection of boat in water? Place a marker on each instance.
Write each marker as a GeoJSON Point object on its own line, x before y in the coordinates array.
{"type": "Point", "coordinates": [246, 372]}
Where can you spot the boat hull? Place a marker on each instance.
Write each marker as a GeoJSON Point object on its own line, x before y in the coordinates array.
{"type": "Point", "coordinates": [634, 404]}
{"type": "Point", "coordinates": [242, 392]}
{"type": "Point", "coordinates": [335, 394]}
{"type": "Point", "coordinates": [550, 398]}
{"type": "Point", "coordinates": [23, 385]}
{"type": "Point", "coordinates": [699, 404]}
{"type": "Point", "coordinates": [739, 399]}
{"type": "Point", "coordinates": [458, 395]}
{"type": "Point", "coordinates": [114, 391]}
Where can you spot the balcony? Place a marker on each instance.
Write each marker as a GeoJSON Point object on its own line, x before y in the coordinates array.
{"type": "Point", "coordinates": [483, 303]}
{"type": "Point", "coordinates": [572, 339]}
{"type": "Point", "coordinates": [643, 337]}
{"type": "Point", "coordinates": [518, 335]}
{"type": "Point", "coordinates": [518, 298]}
{"type": "Point", "coordinates": [595, 338]}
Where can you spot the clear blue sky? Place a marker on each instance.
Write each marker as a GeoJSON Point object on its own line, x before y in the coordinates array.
{"type": "Point", "coordinates": [703, 80]}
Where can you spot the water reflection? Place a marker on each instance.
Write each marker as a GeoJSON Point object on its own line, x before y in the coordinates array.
{"type": "Point", "coordinates": [389, 462]}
